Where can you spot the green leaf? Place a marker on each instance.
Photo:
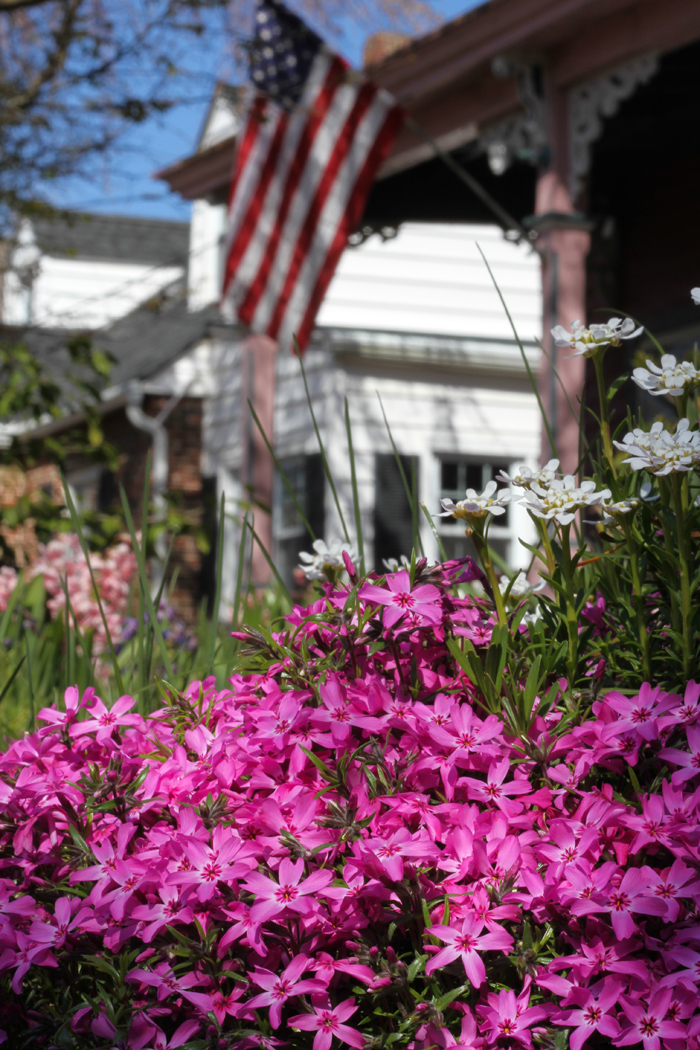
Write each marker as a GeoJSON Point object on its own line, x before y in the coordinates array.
{"type": "Point", "coordinates": [449, 997]}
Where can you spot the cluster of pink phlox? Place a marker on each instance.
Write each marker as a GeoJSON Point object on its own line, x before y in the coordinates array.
{"type": "Point", "coordinates": [63, 565]}
{"type": "Point", "coordinates": [346, 844]}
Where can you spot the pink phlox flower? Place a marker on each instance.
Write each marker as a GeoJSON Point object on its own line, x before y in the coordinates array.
{"type": "Point", "coordinates": [64, 719]}
{"type": "Point", "coordinates": [465, 731]}
{"type": "Point", "coordinates": [686, 710]}
{"type": "Point", "coordinates": [326, 967]}
{"type": "Point", "coordinates": [631, 896]}
{"type": "Point", "coordinates": [275, 726]}
{"type": "Point", "coordinates": [648, 1023]}
{"type": "Point", "coordinates": [297, 818]}
{"type": "Point", "coordinates": [415, 810]}
{"type": "Point", "coordinates": [23, 956]}
{"type": "Point", "coordinates": [672, 885]}
{"type": "Point", "coordinates": [163, 979]}
{"type": "Point", "coordinates": [290, 893]}
{"type": "Point", "coordinates": [336, 713]}
{"type": "Point", "coordinates": [484, 910]}
{"type": "Point", "coordinates": [391, 850]}
{"type": "Point", "coordinates": [689, 976]}
{"type": "Point", "coordinates": [595, 956]}
{"type": "Point", "coordinates": [280, 987]}
{"type": "Point", "coordinates": [107, 855]}
{"type": "Point", "coordinates": [464, 942]}
{"type": "Point", "coordinates": [399, 599]}
{"type": "Point", "coordinates": [588, 886]}
{"type": "Point", "coordinates": [652, 825]}
{"type": "Point", "coordinates": [243, 927]}
{"type": "Point", "coordinates": [509, 1018]}
{"type": "Point", "coordinates": [327, 1022]}
{"type": "Point", "coordinates": [159, 1040]}
{"type": "Point", "coordinates": [69, 916]}
{"type": "Point", "coordinates": [566, 846]}
{"type": "Point", "coordinates": [226, 859]}
{"type": "Point", "coordinates": [105, 720]}
{"type": "Point", "coordinates": [228, 1004]}
{"type": "Point", "coordinates": [494, 790]}
{"type": "Point", "coordinates": [689, 761]}
{"type": "Point", "coordinates": [173, 908]}
{"type": "Point", "coordinates": [593, 1013]}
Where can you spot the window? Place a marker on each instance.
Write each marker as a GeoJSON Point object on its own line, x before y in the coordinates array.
{"type": "Point", "coordinates": [305, 475]}
{"type": "Point", "coordinates": [393, 521]}
{"type": "Point", "coordinates": [456, 476]}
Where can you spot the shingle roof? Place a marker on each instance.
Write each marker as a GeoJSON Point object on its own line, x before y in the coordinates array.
{"type": "Point", "coordinates": [143, 343]}
{"type": "Point", "coordinates": [117, 238]}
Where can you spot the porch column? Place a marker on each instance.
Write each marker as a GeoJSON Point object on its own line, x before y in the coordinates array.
{"type": "Point", "coordinates": [259, 355]}
{"type": "Point", "coordinates": [564, 241]}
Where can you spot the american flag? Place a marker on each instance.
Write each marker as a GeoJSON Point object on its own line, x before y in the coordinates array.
{"type": "Point", "coordinates": [313, 138]}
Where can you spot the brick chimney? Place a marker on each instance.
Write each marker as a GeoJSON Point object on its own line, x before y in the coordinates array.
{"type": "Point", "coordinates": [380, 45]}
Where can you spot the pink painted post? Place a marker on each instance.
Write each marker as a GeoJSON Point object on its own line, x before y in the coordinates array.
{"type": "Point", "coordinates": [259, 353]}
{"type": "Point", "coordinates": [564, 242]}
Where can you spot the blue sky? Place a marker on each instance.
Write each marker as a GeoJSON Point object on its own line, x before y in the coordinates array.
{"type": "Point", "coordinates": [123, 183]}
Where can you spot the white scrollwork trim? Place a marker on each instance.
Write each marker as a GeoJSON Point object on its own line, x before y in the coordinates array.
{"type": "Point", "coordinates": [522, 136]}
{"type": "Point", "coordinates": [590, 103]}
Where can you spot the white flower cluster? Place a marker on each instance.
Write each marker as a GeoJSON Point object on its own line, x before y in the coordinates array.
{"type": "Point", "coordinates": [477, 506]}
{"type": "Point", "coordinates": [524, 477]}
{"type": "Point", "coordinates": [546, 496]}
{"type": "Point", "coordinates": [659, 451]}
{"type": "Point", "coordinates": [324, 559]}
{"type": "Point", "coordinates": [562, 498]}
{"type": "Point", "coordinates": [612, 512]}
{"type": "Point", "coordinates": [521, 587]}
{"type": "Point", "coordinates": [675, 378]}
{"type": "Point", "coordinates": [586, 341]}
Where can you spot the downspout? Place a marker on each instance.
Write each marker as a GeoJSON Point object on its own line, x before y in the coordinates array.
{"type": "Point", "coordinates": [154, 426]}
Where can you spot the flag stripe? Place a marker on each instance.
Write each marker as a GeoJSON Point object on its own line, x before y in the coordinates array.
{"type": "Point", "coordinates": [250, 221]}
{"type": "Point", "coordinates": [248, 164]}
{"type": "Point", "coordinates": [331, 217]}
{"type": "Point", "coordinates": [310, 148]}
{"type": "Point", "coordinates": [299, 143]}
{"type": "Point", "coordinates": [324, 144]}
{"type": "Point", "coordinates": [353, 214]}
{"type": "Point", "coordinates": [340, 151]}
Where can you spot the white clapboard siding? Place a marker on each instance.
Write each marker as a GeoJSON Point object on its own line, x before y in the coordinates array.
{"type": "Point", "coordinates": [75, 293]}
{"type": "Point", "coordinates": [430, 278]}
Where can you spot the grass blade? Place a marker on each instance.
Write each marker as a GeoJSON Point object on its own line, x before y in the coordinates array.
{"type": "Point", "coordinates": [533, 382]}
{"type": "Point", "coordinates": [402, 472]}
{"type": "Point", "coordinates": [320, 445]}
{"type": "Point", "coordinates": [214, 626]}
{"type": "Point", "coordinates": [282, 474]}
{"type": "Point", "coordinates": [239, 573]}
{"type": "Point", "coordinates": [355, 496]}
{"type": "Point", "coordinates": [270, 562]}
{"type": "Point", "coordinates": [10, 680]}
{"type": "Point", "coordinates": [436, 534]}
{"type": "Point", "coordinates": [76, 525]}
{"type": "Point", "coordinates": [138, 551]}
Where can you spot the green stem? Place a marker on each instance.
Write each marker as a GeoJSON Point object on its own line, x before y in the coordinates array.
{"type": "Point", "coordinates": [541, 526]}
{"type": "Point", "coordinates": [604, 415]}
{"type": "Point", "coordinates": [638, 598]}
{"type": "Point", "coordinates": [482, 549]}
{"type": "Point", "coordinates": [686, 610]}
{"type": "Point", "coordinates": [571, 618]}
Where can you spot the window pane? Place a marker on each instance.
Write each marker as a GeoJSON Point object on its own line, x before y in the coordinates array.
{"type": "Point", "coordinates": [475, 476]}
{"type": "Point", "coordinates": [449, 481]}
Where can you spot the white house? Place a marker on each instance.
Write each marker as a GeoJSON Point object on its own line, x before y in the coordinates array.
{"type": "Point", "coordinates": [412, 327]}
